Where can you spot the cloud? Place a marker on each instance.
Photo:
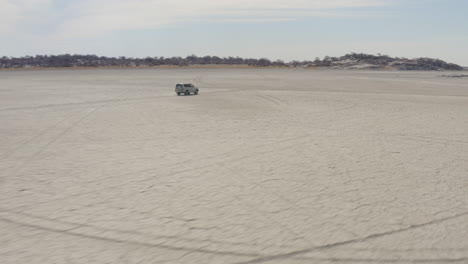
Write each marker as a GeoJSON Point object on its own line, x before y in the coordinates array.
{"type": "Point", "coordinates": [93, 17]}
{"type": "Point", "coordinates": [15, 15]}
{"type": "Point", "coordinates": [9, 16]}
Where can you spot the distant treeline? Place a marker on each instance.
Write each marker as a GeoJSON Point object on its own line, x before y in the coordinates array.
{"type": "Point", "coordinates": [353, 60]}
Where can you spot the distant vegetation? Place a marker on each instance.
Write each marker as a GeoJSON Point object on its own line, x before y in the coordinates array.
{"type": "Point", "coordinates": [348, 61]}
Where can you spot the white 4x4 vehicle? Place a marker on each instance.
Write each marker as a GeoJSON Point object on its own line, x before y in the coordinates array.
{"type": "Point", "coordinates": [186, 88]}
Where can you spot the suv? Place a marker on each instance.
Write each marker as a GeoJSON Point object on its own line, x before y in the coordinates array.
{"type": "Point", "coordinates": [186, 88]}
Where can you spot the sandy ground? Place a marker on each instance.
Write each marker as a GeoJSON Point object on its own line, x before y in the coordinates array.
{"type": "Point", "coordinates": [264, 166]}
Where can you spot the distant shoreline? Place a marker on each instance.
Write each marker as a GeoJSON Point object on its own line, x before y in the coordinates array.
{"type": "Point", "coordinates": [205, 66]}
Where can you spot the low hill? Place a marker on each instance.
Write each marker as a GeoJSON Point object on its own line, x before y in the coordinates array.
{"type": "Point", "coordinates": [367, 61]}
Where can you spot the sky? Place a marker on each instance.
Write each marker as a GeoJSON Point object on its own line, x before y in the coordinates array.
{"type": "Point", "coordinates": [275, 29]}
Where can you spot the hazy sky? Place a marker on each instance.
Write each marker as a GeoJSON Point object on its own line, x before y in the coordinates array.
{"type": "Point", "coordinates": [276, 29]}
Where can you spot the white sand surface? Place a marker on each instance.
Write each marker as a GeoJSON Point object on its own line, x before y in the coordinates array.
{"type": "Point", "coordinates": [264, 166]}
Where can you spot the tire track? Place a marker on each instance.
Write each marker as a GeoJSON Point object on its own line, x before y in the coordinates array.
{"type": "Point", "coordinates": [97, 102]}
{"type": "Point", "coordinates": [36, 136]}
{"type": "Point", "coordinates": [387, 260]}
{"type": "Point", "coordinates": [353, 241]}
{"type": "Point", "coordinates": [60, 135]}
{"type": "Point", "coordinates": [230, 159]}
{"type": "Point", "coordinates": [78, 225]}
{"type": "Point", "coordinates": [274, 100]}
{"type": "Point", "coordinates": [126, 241]}
{"type": "Point", "coordinates": [31, 158]}
{"type": "Point", "coordinates": [72, 226]}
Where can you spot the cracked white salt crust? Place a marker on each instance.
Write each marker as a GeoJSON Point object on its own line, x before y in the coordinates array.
{"type": "Point", "coordinates": [264, 166]}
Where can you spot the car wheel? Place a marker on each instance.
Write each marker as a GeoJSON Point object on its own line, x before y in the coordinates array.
{"type": "Point", "coordinates": [178, 94]}
{"type": "Point", "coordinates": [196, 92]}
{"type": "Point", "coordinates": [187, 93]}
